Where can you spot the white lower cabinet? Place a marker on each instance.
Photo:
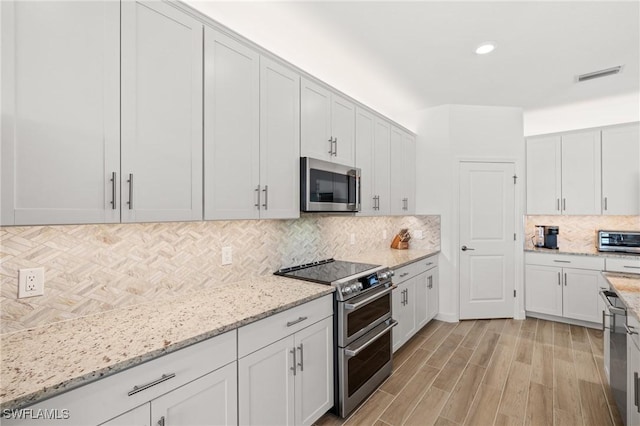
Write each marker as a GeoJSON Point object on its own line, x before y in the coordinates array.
{"type": "Point", "coordinates": [633, 372]}
{"type": "Point", "coordinates": [569, 291]}
{"type": "Point", "coordinates": [289, 381]}
{"type": "Point", "coordinates": [415, 300]}
{"type": "Point", "coordinates": [209, 400]}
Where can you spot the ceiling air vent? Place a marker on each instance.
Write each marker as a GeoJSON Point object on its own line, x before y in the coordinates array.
{"type": "Point", "coordinates": [601, 73]}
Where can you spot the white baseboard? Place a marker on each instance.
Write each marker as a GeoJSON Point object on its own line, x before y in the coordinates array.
{"type": "Point", "coordinates": [564, 320]}
{"type": "Point", "coordinates": [447, 317]}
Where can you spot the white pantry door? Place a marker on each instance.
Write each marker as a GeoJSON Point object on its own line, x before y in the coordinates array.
{"type": "Point", "coordinates": [487, 229]}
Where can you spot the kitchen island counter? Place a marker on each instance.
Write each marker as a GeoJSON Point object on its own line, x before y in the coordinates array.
{"type": "Point", "coordinates": [627, 287]}
{"type": "Point", "coordinates": [45, 361]}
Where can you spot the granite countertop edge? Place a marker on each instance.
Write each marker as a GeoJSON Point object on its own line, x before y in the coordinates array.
{"type": "Point", "coordinates": [582, 253]}
{"type": "Point", "coordinates": [47, 392]}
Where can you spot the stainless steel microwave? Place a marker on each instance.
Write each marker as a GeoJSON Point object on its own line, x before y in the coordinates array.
{"type": "Point", "coordinates": [328, 187]}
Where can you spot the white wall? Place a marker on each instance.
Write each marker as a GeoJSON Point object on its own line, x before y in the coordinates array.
{"type": "Point", "coordinates": [599, 112]}
{"type": "Point", "coordinates": [446, 135]}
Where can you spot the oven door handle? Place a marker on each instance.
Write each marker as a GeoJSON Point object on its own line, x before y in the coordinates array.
{"type": "Point", "coordinates": [609, 306]}
{"type": "Point", "coordinates": [353, 306]}
{"type": "Point", "coordinates": [350, 353]}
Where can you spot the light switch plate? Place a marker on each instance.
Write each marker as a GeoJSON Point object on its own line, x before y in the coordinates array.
{"type": "Point", "coordinates": [227, 255]}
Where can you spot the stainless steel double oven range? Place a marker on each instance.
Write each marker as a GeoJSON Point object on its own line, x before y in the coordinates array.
{"type": "Point", "coordinates": [362, 325]}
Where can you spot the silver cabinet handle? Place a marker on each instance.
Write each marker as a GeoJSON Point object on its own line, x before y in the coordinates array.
{"type": "Point", "coordinates": [636, 396]}
{"type": "Point", "coordinates": [258, 194]}
{"type": "Point", "coordinates": [354, 352]}
{"type": "Point", "coordinates": [266, 197]}
{"type": "Point", "coordinates": [407, 298]}
{"type": "Point", "coordinates": [605, 203]}
{"type": "Point", "coordinates": [632, 267]}
{"type": "Point", "coordinates": [428, 263]}
{"type": "Point", "coordinates": [161, 421]}
{"type": "Point", "coordinates": [404, 274]}
{"type": "Point", "coordinates": [561, 261]}
{"type": "Point", "coordinates": [564, 204]}
{"type": "Point", "coordinates": [130, 202]}
{"type": "Point", "coordinates": [565, 279]}
{"type": "Point", "coordinates": [630, 329]}
{"type": "Point", "coordinates": [113, 190]}
{"type": "Point", "coordinates": [294, 322]}
{"type": "Point", "coordinates": [331, 146]}
{"type": "Point", "coordinates": [560, 280]}
{"type": "Point", "coordinates": [301, 363]}
{"type": "Point", "coordinates": [294, 368]}
{"type": "Point", "coordinates": [558, 204]}
{"type": "Point", "coordinates": [465, 248]}
{"type": "Point", "coordinates": [366, 301]}
{"type": "Point", "coordinates": [335, 151]}
{"type": "Point", "coordinates": [140, 388]}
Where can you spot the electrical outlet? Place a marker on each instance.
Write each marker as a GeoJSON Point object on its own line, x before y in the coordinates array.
{"type": "Point", "coordinates": [417, 234]}
{"type": "Point", "coordinates": [30, 282]}
{"type": "Point", "coordinates": [352, 238]}
{"type": "Point", "coordinates": [227, 255]}
{"type": "Point", "coordinates": [384, 234]}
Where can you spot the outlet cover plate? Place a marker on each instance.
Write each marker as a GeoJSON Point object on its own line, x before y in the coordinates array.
{"type": "Point", "coordinates": [30, 282]}
{"type": "Point", "coordinates": [227, 255]}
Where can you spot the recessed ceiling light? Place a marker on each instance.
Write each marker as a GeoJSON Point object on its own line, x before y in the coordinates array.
{"type": "Point", "coordinates": [485, 48]}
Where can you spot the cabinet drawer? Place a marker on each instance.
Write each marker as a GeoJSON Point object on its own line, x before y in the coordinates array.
{"type": "Point", "coordinates": [106, 398]}
{"type": "Point", "coordinates": [415, 268]}
{"type": "Point", "coordinates": [565, 261]}
{"type": "Point", "coordinates": [266, 331]}
{"type": "Point", "coordinates": [620, 264]}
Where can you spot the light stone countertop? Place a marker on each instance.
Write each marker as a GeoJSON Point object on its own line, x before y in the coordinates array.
{"type": "Point", "coordinates": [627, 286]}
{"type": "Point", "coordinates": [392, 258]}
{"type": "Point", "coordinates": [582, 252]}
{"type": "Point", "coordinates": [42, 362]}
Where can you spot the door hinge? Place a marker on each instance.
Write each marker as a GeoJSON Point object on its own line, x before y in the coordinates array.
{"type": "Point", "coordinates": [514, 293]}
{"type": "Point", "coordinates": [514, 179]}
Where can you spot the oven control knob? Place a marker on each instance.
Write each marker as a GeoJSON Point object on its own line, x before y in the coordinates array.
{"type": "Point", "coordinates": [359, 286]}
{"type": "Point", "coordinates": [354, 288]}
{"type": "Point", "coordinates": [346, 290]}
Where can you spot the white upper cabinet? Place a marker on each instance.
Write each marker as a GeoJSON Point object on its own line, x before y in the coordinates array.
{"type": "Point", "coordinates": [621, 170]}
{"type": "Point", "coordinates": [563, 174]}
{"type": "Point", "coordinates": [231, 128]}
{"type": "Point", "coordinates": [372, 157]}
{"type": "Point", "coordinates": [544, 175]}
{"type": "Point", "coordinates": [161, 114]}
{"type": "Point", "coordinates": [60, 112]}
{"type": "Point", "coordinates": [327, 125]}
{"type": "Point", "coordinates": [403, 172]}
{"type": "Point", "coordinates": [581, 173]}
{"type": "Point", "coordinates": [279, 141]}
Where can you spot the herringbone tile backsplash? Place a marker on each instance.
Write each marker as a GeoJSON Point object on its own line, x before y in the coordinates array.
{"type": "Point", "coordinates": [95, 268]}
{"type": "Point", "coordinates": [579, 233]}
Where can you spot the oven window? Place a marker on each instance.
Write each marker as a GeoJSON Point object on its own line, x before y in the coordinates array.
{"type": "Point", "coordinates": [366, 315]}
{"type": "Point", "coordinates": [329, 187]}
{"type": "Point", "coordinates": [367, 363]}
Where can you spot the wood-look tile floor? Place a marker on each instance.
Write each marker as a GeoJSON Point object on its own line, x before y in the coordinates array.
{"type": "Point", "coordinates": [493, 372]}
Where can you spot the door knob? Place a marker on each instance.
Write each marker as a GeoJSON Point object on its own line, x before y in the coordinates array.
{"type": "Point", "coordinates": [465, 248]}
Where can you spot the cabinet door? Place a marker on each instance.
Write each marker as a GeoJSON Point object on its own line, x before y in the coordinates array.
{"type": "Point", "coordinates": [161, 113]}
{"type": "Point", "coordinates": [209, 400]}
{"type": "Point", "coordinates": [382, 166]}
{"type": "Point", "coordinates": [422, 299]}
{"type": "Point", "coordinates": [543, 289]}
{"type": "Point", "coordinates": [544, 177]}
{"type": "Point", "coordinates": [621, 170]}
{"type": "Point", "coordinates": [397, 172]}
{"type": "Point", "coordinates": [404, 302]}
{"type": "Point", "coordinates": [140, 416]}
{"type": "Point", "coordinates": [60, 112]}
{"type": "Point", "coordinates": [433, 297]}
{"type": "Point", "coordinates": [279, 141]}
{"type": "Point", "coordinates": [409, 154]}
{"type": "Point", "coordinates": [231, 128]}
{"type": "Point", "coordinates": [315, 121]}
{"type": "Point", "coordinates": [581, 173]}
{"type": "Point", "coordinates": [581, 299]}
{"type": "Point", "coordinates": [266, 385]}
{"type": "Point", "coordinates": [314, 377]}
{"type": "Point", "coordinates": [633, 376]}
{"type": "Point", "coordinates": [365, 127]}
{"type": "Point", "coordinates": [343, 125]}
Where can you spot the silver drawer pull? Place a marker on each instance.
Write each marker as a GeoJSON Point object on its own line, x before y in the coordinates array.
{"type": "Point", "coordinates": [404, 275]}
{"type": "Point", "coordinates": [562, 261]}
{"type": "Point", "coordinates": [140, 388]}
{"type": "Point", "coordinates": [632, 267]}
{"type": "Point", "coordinates": [294, 322]}
{"type": "Point", "coordinates": [630, 329]}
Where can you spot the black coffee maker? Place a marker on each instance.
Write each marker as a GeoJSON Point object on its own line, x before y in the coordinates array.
{"type": "Point", "coordinates": [551, 237]}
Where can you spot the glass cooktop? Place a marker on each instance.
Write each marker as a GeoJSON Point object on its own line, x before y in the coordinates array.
{"type": "Point", "coordinates": [326, 271]}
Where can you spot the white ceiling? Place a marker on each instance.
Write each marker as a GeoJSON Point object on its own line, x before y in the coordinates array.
{"type": "Point", "coordinates": [400, 57]}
